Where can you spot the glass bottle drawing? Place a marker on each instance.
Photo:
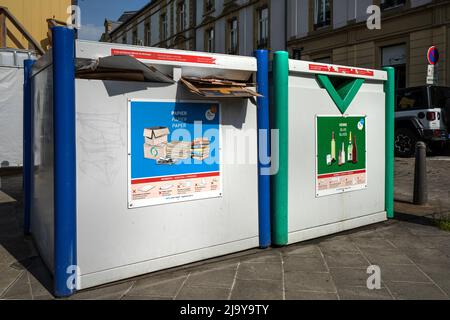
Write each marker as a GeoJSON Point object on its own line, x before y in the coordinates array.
{"type": "Point", "coordinates": [350, 149]}
{"type": "Point", "coordinates": [333, 148]}
{"type": "Point", "coordinates": [354, 151]}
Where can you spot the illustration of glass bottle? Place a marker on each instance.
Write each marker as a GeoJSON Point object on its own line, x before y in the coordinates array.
{"type": "Point", "coordinates": [354, 151]}
{"type": "Point", "coordinates": [350, 149]}
{"type": "Point", "coordinates": [333, 148]}
{"type": "Point", "coordinates": [343, 152]}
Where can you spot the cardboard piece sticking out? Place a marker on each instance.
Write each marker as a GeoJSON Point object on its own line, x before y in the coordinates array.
{"type": "Point", "coordinates": [124, 68]}
{"type": "Point", "coordinates": [156, 135]}
{"type": "Point", "coordinates": [218, 88]}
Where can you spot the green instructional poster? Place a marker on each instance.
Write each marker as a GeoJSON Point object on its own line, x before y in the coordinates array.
{"type": "Point", "coordinates": [341, 154]}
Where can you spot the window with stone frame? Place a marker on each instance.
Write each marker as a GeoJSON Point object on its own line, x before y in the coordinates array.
{"type": "Point", "coordinates": [208, 6]}
{"type": "Point", "coordinates": [209, 40]}
{"type": "Point", "coordinates": [135, 40]}
{"type": "Point", "coordinates": [322, 13]}
{"type": "Point", "coordinates": [263, 28]}
{"type": "Point", "coordinates": [147, 32]}
{"type": "Point", "coordinates": [390, 4]}
{"type": "Point", "coordinates": [163, 26]}
{"type": "Point", "coordinates": [181, 16]}
{"type": "Point", "coordinates": [233, 35]}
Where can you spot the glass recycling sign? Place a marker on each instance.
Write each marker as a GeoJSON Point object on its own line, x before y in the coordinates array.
{"type": "Point", "coordinates": [340, 154]}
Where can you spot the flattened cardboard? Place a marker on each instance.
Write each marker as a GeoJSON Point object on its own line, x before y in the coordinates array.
{"type": "Point", "coordinates": [120, 68]}
{"type": "Point", "coordinates": [218, 88]}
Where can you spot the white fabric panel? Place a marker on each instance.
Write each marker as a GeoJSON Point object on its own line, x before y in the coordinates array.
{"type": "Point", "coordinates": [11, 116]}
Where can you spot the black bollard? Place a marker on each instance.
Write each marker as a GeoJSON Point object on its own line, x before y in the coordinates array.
{"type": "Point", "coordinates": [420, 175]}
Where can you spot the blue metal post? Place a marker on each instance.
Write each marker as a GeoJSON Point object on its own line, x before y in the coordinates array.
{"type": "Point", "coordinates": [262, 83]}
{"type": "Point", "coordinates": [64, 160]}
{"type": "Point", "coordinates": [27, 144]}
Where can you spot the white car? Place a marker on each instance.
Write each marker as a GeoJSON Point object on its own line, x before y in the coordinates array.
{"type": "Point", "coordinates": [421, 114]}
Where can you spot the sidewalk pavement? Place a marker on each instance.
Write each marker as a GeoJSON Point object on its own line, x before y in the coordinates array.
{"type": "Point", "coordinates": [438, 173]}
{"type": "Point", "coordinates": [414, 257]}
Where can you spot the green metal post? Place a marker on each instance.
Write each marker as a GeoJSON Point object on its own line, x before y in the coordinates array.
{"type": "Point", "coordinates": [389, 90]}
{"type": "Point", "coordinates": [280, 122]}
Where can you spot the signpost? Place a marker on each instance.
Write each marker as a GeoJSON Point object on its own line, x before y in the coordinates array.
{"type": "Point", "coordinates": [433, 59]}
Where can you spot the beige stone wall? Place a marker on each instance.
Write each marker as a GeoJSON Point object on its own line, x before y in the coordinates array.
{"type": "Point", "coordinates": [355, 45]}
{"type": "Point", "coordinates": [360, 55]}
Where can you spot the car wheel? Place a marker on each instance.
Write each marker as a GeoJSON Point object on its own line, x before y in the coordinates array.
{"type": "Point", "coordinates": [405, 142]}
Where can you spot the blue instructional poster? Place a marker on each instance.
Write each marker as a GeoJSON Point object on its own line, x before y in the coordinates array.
{"type": "Point", "coordinates": [174, 152]}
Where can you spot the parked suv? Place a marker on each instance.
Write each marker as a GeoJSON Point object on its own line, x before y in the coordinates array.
{"type": "Point", "coordinates": [421, 113]}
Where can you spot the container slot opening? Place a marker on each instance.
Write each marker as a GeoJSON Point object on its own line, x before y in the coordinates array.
{"type": "Point", "coordinates": [119, 68]}
{"type": "Point", "coordinates": [214, 87]}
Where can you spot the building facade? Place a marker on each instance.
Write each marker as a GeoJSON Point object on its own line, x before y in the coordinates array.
{"type": "Point", "coordinates": [329, 31]}
{"type": "Point", "coordinates": [336, 31]}
{"type": "Point", "coordinates": [32, 15]}
{"type": "Point", "coordinates": [221, 26]}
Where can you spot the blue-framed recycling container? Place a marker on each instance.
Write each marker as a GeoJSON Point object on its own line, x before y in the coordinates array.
{"type": "Point", "coordinates": [132, 166]}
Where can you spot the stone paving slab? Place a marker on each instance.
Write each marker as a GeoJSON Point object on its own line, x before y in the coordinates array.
{"type": "Point", "coordinates": [386, 257]}
{"type": "Point", "coordinates": [309, 281]}
{"type": "Point", "coordinates": [311, 295]}
{"type": "Point", "coordinates": [301, 263]}
{"type": "Point", "coordinates": [164, 289]}
{"type": "Point", "coordinates": [416, 291]}
{"type": "Point", "coordinates": [413, 255]}
{"type": "Point", "coordinates": [354, 277]}
{"type": "Point", "coordinates": [362, 293]}
{"type": "Point", "coordinates": [216, 278]}
{"type": "Point", "coordinates": [257, 290]}
{"type": "Point", "coordinates": [260, 271]}
{"type": "Point", "coordinates": [202, 293]}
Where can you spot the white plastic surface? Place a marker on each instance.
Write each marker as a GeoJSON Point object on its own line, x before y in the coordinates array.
{"type": "Point", "coordinates": [115, 242]}
{"type": "Point", "coordinates": [11, 116]}
{"type": "Point", "coordinates": [14, 57]}
{"type": "Point", "coordinates": [42, 222]}
{"type": "Point", "coordinates": [218, 65]}
{"type": "Point", "coordinates": [311, 217]}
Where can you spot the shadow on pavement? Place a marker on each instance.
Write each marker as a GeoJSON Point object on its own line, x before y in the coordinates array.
{"type": "Point", "coordinates": [412, 218]}
{"type": "Point", "coordinates": [18, 251]}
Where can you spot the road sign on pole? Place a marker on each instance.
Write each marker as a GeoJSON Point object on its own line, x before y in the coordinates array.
{"type": "Point", "coordinates": [433, 59]}
{"type": "Point", "coordinates": [433, 55]}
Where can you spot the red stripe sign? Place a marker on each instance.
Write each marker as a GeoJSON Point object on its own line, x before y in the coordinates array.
{"type": "Point", "coordinates": [176, 178]}
{"type": "Point", "coordinates": [161, 56]}
{"type": "Point", "coordinates": [341, 174]}
{"type": "Point", "coordinates": [342, 70]}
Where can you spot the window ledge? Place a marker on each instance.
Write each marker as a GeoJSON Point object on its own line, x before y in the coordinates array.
{"type": "Point", "coordinates": [393, 7]}
{"type": "Point", "coordinates": [207, 13]}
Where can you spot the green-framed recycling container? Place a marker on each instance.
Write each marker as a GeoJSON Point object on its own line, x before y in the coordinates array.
{"type": "Point", "coordinates": [334, 170]}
